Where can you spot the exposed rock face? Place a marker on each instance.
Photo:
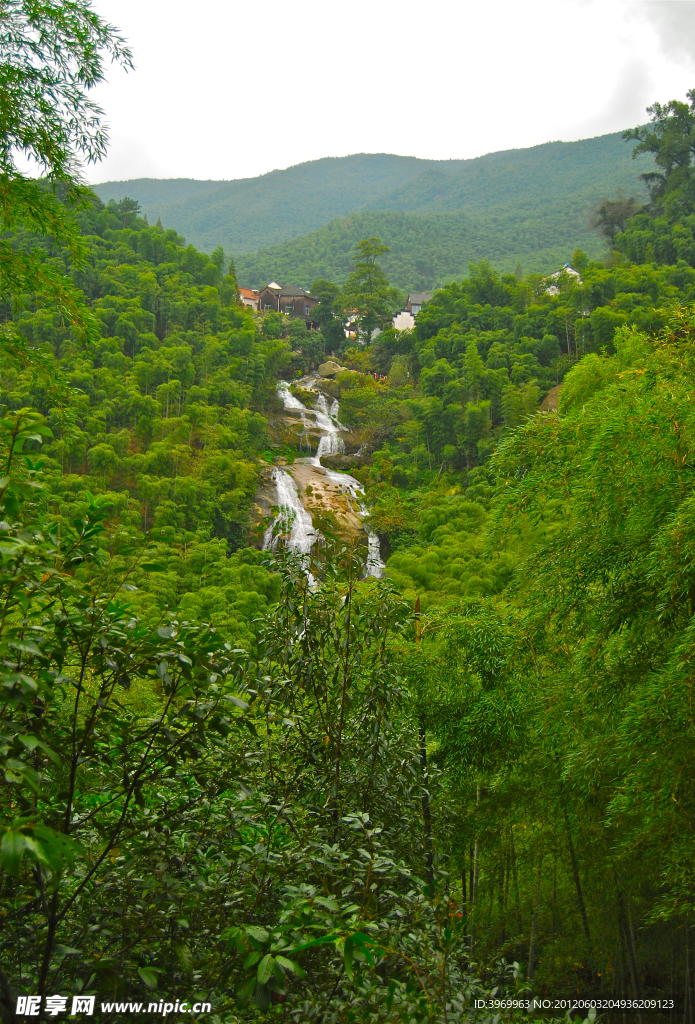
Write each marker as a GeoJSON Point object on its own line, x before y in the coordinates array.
{"type": "Point", "coordinates": [320, 491]}
{"type": "Point", "coordinates": [342, 462]}
{"type": "Point", "coordinates": [264, 504]}
{"type": "Point", "coordinates": [330, 368]}
{"type": "Point", "coordinates": [550, 402]}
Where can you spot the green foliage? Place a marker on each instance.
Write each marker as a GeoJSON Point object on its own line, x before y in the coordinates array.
{"type": "Point", "coordinates": [670, 138]}
{"type": "Point", "coordinates": [177, 816]}
{"type": "Point", "coordinates": [264, 780]}
{"type": "Point", "coordinates": [100, 716]}
{"type": "Point", "coordinates": [367, 299]}
{"type": "Point", "coordinates": [52, 57]}
{"type": "Point", "coordinates": [663, 232]}
{"type": "Point", "coordinates": [612, 215]}
{"type": "Point", "coordinates": [436, 216]}
{"type": "Point", "coordinates": [427, 251]}
{"type": "Point", "coordinates": [163, 411]}
{"type": "Point", "coordinates": [578, 681]}
{"type": "Point", "coordinates": [482, 355]}
{"type": "Point", "coordinates": [329, 315]}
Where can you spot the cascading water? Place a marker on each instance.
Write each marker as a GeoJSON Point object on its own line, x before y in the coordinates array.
{"type": "Point", "coordinates": [331, 443]}
{"type": "Point", "coordinates": [293, 520]}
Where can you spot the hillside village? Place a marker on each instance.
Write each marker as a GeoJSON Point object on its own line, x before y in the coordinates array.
{"type": "Point", "coordinates": [298, 303]}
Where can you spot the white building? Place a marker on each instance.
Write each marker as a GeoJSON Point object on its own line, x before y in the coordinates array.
{"type": "Point", "coordinates": [552, 289]}
{"type": "Point", "coordinates": [405, 320]}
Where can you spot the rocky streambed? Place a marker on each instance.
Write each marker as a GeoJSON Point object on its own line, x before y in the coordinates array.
{"type": "Point", "coordinates": [291, 496]}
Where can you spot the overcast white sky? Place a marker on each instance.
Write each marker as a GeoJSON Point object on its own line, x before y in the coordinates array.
{"type": "Point", "coordinates": [224, 89]}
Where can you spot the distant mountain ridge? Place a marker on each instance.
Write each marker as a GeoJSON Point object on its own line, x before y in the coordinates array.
{"type": "Point", "coordinates": [529, 205]}
{"type": "Point", "coordinates": [244, 214]}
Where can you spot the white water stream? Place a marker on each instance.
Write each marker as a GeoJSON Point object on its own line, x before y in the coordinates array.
{"type": "Point", "coordinates": [293, 518]}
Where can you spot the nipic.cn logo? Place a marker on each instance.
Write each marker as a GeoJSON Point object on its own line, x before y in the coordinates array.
{"type": "Point", "coordinates": [30, 1006]}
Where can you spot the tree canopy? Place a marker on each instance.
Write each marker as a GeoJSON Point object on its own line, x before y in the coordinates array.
{"type": "Point", "coordinates": [52, 56]}
{"type": "Point", "coordinates": [367, 298]}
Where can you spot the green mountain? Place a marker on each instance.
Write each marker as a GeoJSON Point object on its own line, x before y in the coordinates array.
{"type": "Point", "coordinates": [529, 205]}
{"type": "Point", "coordinates": [246, 214]}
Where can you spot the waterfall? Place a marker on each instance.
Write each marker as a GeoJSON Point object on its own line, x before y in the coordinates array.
{"type": "Point", "coordinates": [288, 399]}
{"type": "Point", "coordinates": [293, 404]}
{"type": "Point", "coordinates": [375, 563]}
{"type": "Point", "coordinates": [293, 520]}
{"type": "Point", "coordinates": [348, 484]}
{"type": "Point", "coordinates": [331, 443]}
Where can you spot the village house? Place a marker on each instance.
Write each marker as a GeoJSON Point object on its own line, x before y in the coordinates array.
{"type": "Point", "coordinates": [405, 319]}
{"type": "Point", "coordinates": [249, 296]}
{"type": "Point", "coordinates": [294, 302]}
{"type": "Point", "coordinates": [568, 271]}
{"type": "Point", "coordinates": [416, 300]}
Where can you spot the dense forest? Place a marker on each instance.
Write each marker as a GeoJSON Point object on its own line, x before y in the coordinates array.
{"type": "Point", "coordinates": [530, 206]}
{"type": "Point", "coordinates": [428, 251]}
{"type": "Point", "coordinates": [243, 785]}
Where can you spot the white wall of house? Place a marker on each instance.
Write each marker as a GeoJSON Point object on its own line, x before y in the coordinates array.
{"type": "Point", "coordinates": [404, 321]}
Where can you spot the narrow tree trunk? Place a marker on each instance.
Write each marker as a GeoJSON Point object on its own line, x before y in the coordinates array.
{"type": "Point", "coordinates": [688, 1000]}
{"type": "Point", "coordinates": [474, 882]}
{"type": "Point", "coordinates": [508, 872]}
{"type": "Point", "coordinates": [426, 812]}
{"type": "Point", "coordinates": [474, 893]}
{"type": "Point", "coordinates": [633, 957]}
{"type": "Point", "coordinates": [577, 880]}
{"type": "Point", "coordinates": [554, 921]}
{"type": "Point", "coordinates": [534, 922]}
{"type": "Point", "coordinates": [619, 988]}
{"type": "Point", "coordinates": [629, 945]}
{"type": "Point", "coordinates": [515, 876]}
{"type": "Point", "coordinates": [503, 898]}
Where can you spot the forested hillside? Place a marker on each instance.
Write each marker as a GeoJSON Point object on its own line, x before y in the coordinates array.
{"type": "Point", "coordinates": [246, 214]}
{"type": "Point", "coordinates": [530, 206]}
{"type": "Point", "coordinates": [426, 252]}
{"type": "Point", "coordinates": [255, 786]}
{"type": "Point", "coordinates": [163, 413]}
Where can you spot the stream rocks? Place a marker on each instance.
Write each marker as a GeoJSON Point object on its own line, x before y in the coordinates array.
{"type": "Point", "coordinates": [330, 368]}
{"type": "Point", "coordinates": [322, 493]}
{"type": "Point", "coordinates": [342, 462]}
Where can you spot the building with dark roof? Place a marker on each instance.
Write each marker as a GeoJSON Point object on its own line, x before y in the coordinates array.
{"type": "Point", "coordinates": [291, 301]}
{"type": "Point", "coordinates": [416, 300]}
{"type": "Point", "coordinates": [404, 320]}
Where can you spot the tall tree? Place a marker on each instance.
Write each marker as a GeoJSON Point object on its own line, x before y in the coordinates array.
{"type": "Point", "coordinates": [368, 298]}
{"type": "Point", "coordinates": [329, 315]}
{"type": "Point", "coordinates": [671, 138]}
{"type": "Point", "coordinates": [611, 216]}
{"type": "Point", "coordinates": [52, 56]}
